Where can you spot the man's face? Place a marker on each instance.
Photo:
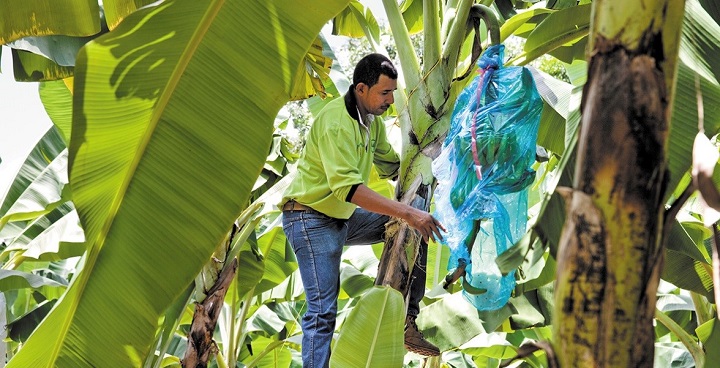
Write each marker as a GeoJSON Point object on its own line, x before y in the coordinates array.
{"type": "Point", "coordinates": [378, 98]}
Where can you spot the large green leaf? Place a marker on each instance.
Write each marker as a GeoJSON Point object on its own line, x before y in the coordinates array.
{"type": "Point", "coordinates": [685, 266]}
{"type": "Point", "coordinates": [700, 58]}
{"type": "Point", "coordinates": [117, 10]}
{"type": "Point", "coordinates": [522, 23]}
{"type": "Point", "coordinates": [29, 67]}
{"type": "Point", "coordinates": [453, 321]}
{"type": "Point", "coordinates": [412, 12]}
{"type": "Point", "coordinates": [337, 82]}
{"type": "Point", "coordinates": [172, 120]}
{"type": "Point", "coordinates": [709, 335]}
{"type": "Point", "coordinates": [46, 17]}
{"type": "Point", "coordinates": [275, 249]}
{"type": "Point", "coordinates": [23, 326]}
{"type": "Point", "coordinates": [310, 75]}
{"type": "Point", "coordinates": [713, 8]}
{"type": "Point", "coordinates": [10, 279]}
{"type": "Point", "coordinates": [59, 48]}
{"type": "Point", "coordinates": [39, 183]}
{"type": "Point", "coordinates": [372, 334]}
{"type": "Point", "coordinates": [56, 97]}
{"type": "Point", "coordinates": [438, 260]}
{"type": "Point", "coordinates": [356, 21]}
{"type": "Point", "coordinates": [563, 28]}
{"type": "Point", "coordinates": [353, 283]}
{"type": "Point", "coordinates": [491, 345]}
{"type": "Point", "coordinates": [53, 236]}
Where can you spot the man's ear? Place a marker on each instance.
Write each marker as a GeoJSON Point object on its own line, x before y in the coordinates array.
{"type": "Point", "coordinates": [361, 88]}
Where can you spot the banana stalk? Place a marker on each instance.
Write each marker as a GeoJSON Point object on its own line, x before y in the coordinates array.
{"type": "Point", "coordinates": [608, 260]}
{"type": "Point", "coordinates": [212, 285]}
{"type": "Point", "coordinates": [424, 116]}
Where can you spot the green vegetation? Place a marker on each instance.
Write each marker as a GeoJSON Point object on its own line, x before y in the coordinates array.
{"type": "Point", "coordinates": [171, 145]}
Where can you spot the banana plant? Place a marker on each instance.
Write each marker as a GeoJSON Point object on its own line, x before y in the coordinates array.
{"type": "Point", "coordinates": [564, 116]}
{"type": "Point", "coordinates": [150, 111]}
{"type": "Point", "coordinates": [563, 32]}
{"type": "Point", "coordinates": [451, 43]}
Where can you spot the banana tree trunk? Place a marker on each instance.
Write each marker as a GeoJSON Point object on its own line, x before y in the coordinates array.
{"type": "Point", "coordinates": [609, 260]}
{"type": "Point", "coordinates": [424, 115]}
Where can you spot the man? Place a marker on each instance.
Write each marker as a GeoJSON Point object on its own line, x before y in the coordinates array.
{"type": "Point", "coordinates": [320, 207]}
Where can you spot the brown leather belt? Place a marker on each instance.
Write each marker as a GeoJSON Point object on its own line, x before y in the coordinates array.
{"type": "Point", "coordinates": [294, 206]}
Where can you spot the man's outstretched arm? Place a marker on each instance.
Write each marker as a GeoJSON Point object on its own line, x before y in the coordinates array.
{"type": "Point", "coordinates": [425, 223]}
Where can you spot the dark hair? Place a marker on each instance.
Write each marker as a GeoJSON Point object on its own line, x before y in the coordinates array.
{"type": "Point", "coordinates": [370, 67]}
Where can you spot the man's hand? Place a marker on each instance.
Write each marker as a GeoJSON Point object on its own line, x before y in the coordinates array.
{"type": "Point", "coordinates": [423, 222]}
{"type": "Point", "coordinates": [428, 226]}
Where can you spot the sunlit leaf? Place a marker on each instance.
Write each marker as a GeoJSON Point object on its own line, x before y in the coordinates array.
{"type": "Point", "coordinates": [29, 67]}
{"type": "Point", "coordinates": [10, 280]}
{"type": "Point", "coordinates": [46, 17]}
{"type": "Point", "coordinates": [356, 21]}
{"type": "Point", "coordinates": [117, 10]}
{"type": "Point", "coordinates": [372, 334]}
{"type": "Point", "coordinates": [38, 185]}
{"type": "Point", "coordinates": [158, 175]}
{"type": "Point", "coordinates": [57, 100]}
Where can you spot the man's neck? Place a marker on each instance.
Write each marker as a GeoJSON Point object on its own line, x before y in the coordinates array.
{"type": "Point", "coordinates": [363, 116]}
{"type": "Point", "coordinates": [361, 109]}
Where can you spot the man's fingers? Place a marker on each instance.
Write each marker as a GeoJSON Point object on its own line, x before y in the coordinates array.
{"type": "Point", "coordinates": [438, 234]}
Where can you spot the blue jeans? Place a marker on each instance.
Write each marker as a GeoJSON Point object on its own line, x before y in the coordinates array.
{"type": "Point", "coordinates": [318, 242]}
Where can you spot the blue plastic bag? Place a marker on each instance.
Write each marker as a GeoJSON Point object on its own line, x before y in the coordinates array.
{"type": "Point", "coordinates": [483, 173]}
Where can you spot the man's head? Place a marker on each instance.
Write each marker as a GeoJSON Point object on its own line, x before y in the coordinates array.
{"type": "Point", "coordinates": [374, 81]}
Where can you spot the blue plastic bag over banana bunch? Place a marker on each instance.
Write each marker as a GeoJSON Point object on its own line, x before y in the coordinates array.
{"type": "Point", "coordinates": [483, 173]}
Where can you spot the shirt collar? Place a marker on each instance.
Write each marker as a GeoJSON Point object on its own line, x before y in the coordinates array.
{"type": "Point", "coordinates": [352, 108]}
{"type": "Point", "coordinates": [351, 103]}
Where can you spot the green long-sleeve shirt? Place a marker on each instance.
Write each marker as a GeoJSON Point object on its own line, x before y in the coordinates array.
{"type": "Point", "coordinates": [338, 157]}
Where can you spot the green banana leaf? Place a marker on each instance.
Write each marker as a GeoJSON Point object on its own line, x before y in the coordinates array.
{"type": "Point", "coordinates": [20, 328]}
{"type": "Point", "coordinates": [336, 83]}
{"type": "Point", "coordinates": [37, 205]}
{"type": "Point", "coordinates": [709, 335]}
{"type": "Point", "coordinates": [311, 74]}
{"type": "Point", "coordinates": [39, 183]}
{"type": "Point", "coordinates": [269, 352]}
{"type": "Point", "coordinates": [372, 335]}
{"type": "Point", "coordinates": [561, 29]}
{"type": "Point", "coordinates": [521, 24]}
{"type": "Point", "coordinates": [52, 236]}
{"type": "Point", "coordinates": [172, 121]}
{"type": "Point", "coordinates": [276, 253]}
{"type": "Point", "coordinates": [353, 283]}
{"type": "Point", "coordinates": [117, 10]}
{"type": "Point", "coordinates": [701, 48]}
{"type": "Point", "coordinates": [29, 67]}
{"type": "Point", "coordinates": [11, 279]}
{"type": "Point", "coordinates": [56, 97]}
{"type": "Point", "coordinates": [438, 259]}
{"type": "Point", "coordinates": [699, 58]}
{"type": "Point", "coordinates": [356, 21]}
{"type": "Point", "coordinates": [46, 17]}
{"type": "Point", "coordinates": [494, 345]}
{"type": "Point", "coordinates": [58, 49]}
{"type": "Point", "coordinates": [453, 321]}
{"type": "Point", "coordinates": [412, 12]}
{"type": "Point", "coordinates": [685, 265]}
